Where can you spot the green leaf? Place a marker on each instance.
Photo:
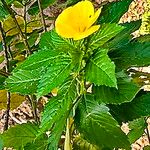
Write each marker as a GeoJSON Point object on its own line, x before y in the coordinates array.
{"type": "Point", "coordinates": [57, 110]}
{"type": "Point", "coordinates": [138, 108]}
{"type": "Point", "coordinates": [112, 12]}
{"type": "Point", "coordinates": [81, 144]}
{"type": "Point", "coordinates": [24, 81]}
{"type": "Point", "coordinates": [147, 148]}
{"type": "Point", "coordinates": [124, 37]}
{"type": "Point", "coordinates": [19, 135]}
{"type": "Point", "coordinates": [100, 70]}
{"type": "Point", "coordinates": [40, 143]}
{"type": "Point", "coordinates": [38, 60]}
{"type": "Point", "coordinates": [56, 105]}
{"type": "Point", "coordinates": [137, 129]}
{"type": "Point", "coordinates": [53, 40]}
{"type": "Point", "coordinates": [126, 92]}
{"type": "Point", "coordinates": [133, 54]}
{"type": "Point", "coordinates": [35, 7]}
{"type": "Point", "coordinates": [3, 13]}
{"type": "Point", "coordinates": [55, 75]}
{"type": "Point", "coordinates": [104, 34]}
{"type": "Point", "coordinates": [96, 124]}
{"type": "Point", "coordinates": [2, 79]}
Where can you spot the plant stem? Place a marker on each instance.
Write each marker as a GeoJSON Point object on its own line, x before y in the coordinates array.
{"type": "Point", "coordinates": [42, 15]}
{"type": "Point", "coordinates": [33, 103]}
{"type": "Point", "coordinates": [7, 71]}
{"type": "Point", "coordinates": [5, 74]}
{"type": "Point", "coordinates": [18, 27]}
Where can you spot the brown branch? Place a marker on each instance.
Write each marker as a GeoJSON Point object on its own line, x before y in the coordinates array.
{"type": "Point", "coordinates": [3, 73]}
{"type": "Point", "coordinates": [9, 9]}
{"type": "Point", "coordinates": [33, 103]}
{"type": "Point", "coordinates": [7, 71]}
{"type": "Point", "coordinates": [42, 15]}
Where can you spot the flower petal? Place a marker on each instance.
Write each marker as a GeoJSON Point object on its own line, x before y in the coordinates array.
{"type": "Point", "coordinates": [88, 32]}
{"type": "Point", "coordinates": [63, 24]}
{"type": "Point", "coordinates": [94, 18]}
{"type": "Point", "coordinates": [82, 12]}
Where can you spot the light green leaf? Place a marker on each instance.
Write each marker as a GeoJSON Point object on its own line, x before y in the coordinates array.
{"type": "Point", "coordinates": [24, 81]}
{"type": "Point", "coordinates": [96, 124]}
{"type": "Point", "coordinates": [112, 12]}
{"type": "Point", "coordinates": [55, 75]}
{"type": "Point", "coordinates": [38, 60]}
{"type": "Point", "coordinates": [126, 92]}
{"type": "Point", "coordinates": [137, 129]}
{"type": "Point", "coordinates": [104, 34]}
{"type": "Point", "coordinates": [19, 135]}
{"type": "Point", "coordinates": [52, 40]}
{"type": "Point", "coordinates": [100, 70]}
{"type": "Point", "coordinates": [57, 110]}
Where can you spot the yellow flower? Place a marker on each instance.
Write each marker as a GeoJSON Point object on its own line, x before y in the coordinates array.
{"type": "Point", "coordinates": [76, 21]}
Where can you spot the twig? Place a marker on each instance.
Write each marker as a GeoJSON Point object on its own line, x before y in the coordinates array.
{"type": "Point", "coordinates": [147, 131]}
{"type": "Point", "coordinates": [15, 20]}
{"type": "Point", "coordinates": [33, 103]}
{"type": "Point", "coordinates": [7, 71]}
{"type": "Point", "coordinates": [3, 73]}
{"type": "Point", "coordinates": [42, 15]}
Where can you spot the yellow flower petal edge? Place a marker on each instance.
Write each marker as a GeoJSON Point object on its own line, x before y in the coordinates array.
{"type": "Point", "coordinates": [76, 21]}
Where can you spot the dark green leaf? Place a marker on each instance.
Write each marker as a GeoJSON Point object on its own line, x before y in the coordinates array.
{"type": "Point", "coordinates": [137, 129]}
{"type": "Point", "coordinates": [112, 12]}
{"type": "Point", "coordinates": [2, 79]}
{"type": "Point", "coordinates": [20, 135]}
{"type": "Point", "coordinates": [104, 34]}
{"type": "Point", "coordinates": [140, 106]}
{"type": "Point", "coordinates": [3, 13]}
{"type": "Point", "coordinates": [35, 7]}
{"type": "Point", "coordinates": [133, 54]}
{"type": "Point", "coordinates": [100, 70]}
{"type": "Point", "coordinates": [96, 124]}
{"type": "Point", "coordinates": [126, 91]}
{"type": "Point", "coordinates": [55, 75]}
{"type": "Point", "coordinates": [124, 36]}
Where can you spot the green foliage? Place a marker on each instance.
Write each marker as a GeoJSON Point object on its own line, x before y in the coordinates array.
{"type": "Point", "coordinates": [112, 12]}
{"type": "Point", "coordinates": [18, 136]}
{"type": "Point", "coordinates": [35, 7]}
{"type": "Point", "coordinates": [57, 110]}
{"type": "Point", "coordinates": [123, 37]}
{"type": "Point", "coordinates": [100, 70]}
{"type": "Point", "coordinates": [105, 33]}
{"type": "Point", "coordinates": [138, 107]}
{"type": "Point", "coordinates": [126, 92]}
{"type": "Point", "coordinates": [137, 129]}
{"type": "Point", "coordinates": [95, 122]}
{"type": "Point", "coordinates": [133, 54]}
{"type": "Point", "coordinates": [56, 73]}
{"type": "Point", "coordinates": [82, 144]}
{"type": "Point", "coordinates": [91, 79]}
